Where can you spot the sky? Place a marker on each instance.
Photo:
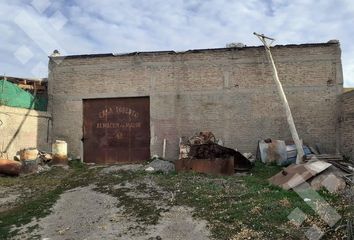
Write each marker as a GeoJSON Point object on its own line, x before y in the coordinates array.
{"type": "Point", "coordinates": [30, 30]}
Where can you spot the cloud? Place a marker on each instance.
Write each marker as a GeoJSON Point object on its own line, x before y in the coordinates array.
{"type": "Point", "coordinates": [91, 26]}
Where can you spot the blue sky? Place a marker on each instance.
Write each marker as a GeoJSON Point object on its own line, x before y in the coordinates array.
{"type": "Point", "coordinates": [31, 30]}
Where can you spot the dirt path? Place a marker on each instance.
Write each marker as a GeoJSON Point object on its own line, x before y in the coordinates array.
{"type": "Point", "coordinates": [126, 202]}
{"type": "Point", "coordinates": [87, 213]}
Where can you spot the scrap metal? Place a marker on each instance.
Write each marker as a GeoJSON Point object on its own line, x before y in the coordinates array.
{"type": "Point", "coordinates": [202, 153]}
{"type": "Point", "coordinates": [10, 167]}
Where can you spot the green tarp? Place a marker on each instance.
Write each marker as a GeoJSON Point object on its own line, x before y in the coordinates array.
{"type": "Point", "coordinates": [13, 96]}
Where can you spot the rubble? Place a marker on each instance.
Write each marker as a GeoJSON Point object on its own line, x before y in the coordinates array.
{"type": "Point", "coordinates": [159, 165]}
{"type": "Point", "coordinates": [43, 168]}
{"type": "Point", "coordinates": [45, 157]}
{"type": "Point", "coordinates": [320, 170]}
{"type": "Point", "coordinates": [29, 166]}
{"type": "Point", "coordinates": [30, 161]}
{"type": "Point", "coordinates": [250, 157]}
{"type": "Point", "coordinates": [116, 168]}
{"type": "Point", "coordinates": [349, 178]}
{"type": "Point", "coordinates": [202, 153]}
{"type": "Point", "coordinates": [346, 167]}
{"type": "Point", "coordinates": [331, 179]}
{"type": "Point", "coordinates": [149, 169]}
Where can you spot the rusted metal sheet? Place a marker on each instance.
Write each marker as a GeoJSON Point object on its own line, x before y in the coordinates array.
{"type": "Point", "coordinates": [213, 151]}
{"type": "Point", "coordinates": [202, 153]}
{"type": "Point", "coordinates": [10, 167]}
{"type": "Point", "coordinates": [217, 166]}
{"type": "Point", "coordinates": [116, 130]}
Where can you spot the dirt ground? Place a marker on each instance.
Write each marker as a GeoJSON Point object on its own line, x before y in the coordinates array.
{"type": "Point", "coordinates": [86, 213]}
{"type": "Point", "coordinates": [125, 202]}
{"type": "Point", "coordinates": [83, 213]}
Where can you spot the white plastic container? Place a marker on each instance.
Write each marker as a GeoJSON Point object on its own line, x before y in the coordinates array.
{"type": "Point", "coordinates": [60, 152]}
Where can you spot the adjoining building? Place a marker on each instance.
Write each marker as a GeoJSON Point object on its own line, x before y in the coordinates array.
{"type": "Point", "coordinates": [24, 120]}
{"type": "Point", "coordinates": [120, 107]}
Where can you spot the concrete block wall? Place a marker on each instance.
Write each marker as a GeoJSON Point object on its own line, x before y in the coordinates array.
{"type": "Point", "coordinates": [230, 92]}
{"type": "Point", "coordinates": [23, 128]}
{"type": "Point", "coordinates": [347, 124]}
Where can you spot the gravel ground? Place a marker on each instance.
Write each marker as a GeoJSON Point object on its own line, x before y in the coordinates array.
{"type": "Point", "coordinates": [83, 213]}
{"type": "Point", "coordinates": [116, 168]}
{"type": "Point", "coordinates": [8, 198]}
{"type": "Point", "coordinates": [161, 165]}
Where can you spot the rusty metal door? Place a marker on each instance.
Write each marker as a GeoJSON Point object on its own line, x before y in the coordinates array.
{"type": "Point", "coordinates": [116, 130]}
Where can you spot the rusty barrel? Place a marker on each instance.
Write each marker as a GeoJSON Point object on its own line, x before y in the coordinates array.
{"type": "Point", "coordinates": [60, 153]}
{"type": "Point", "coordinates": [29, 161]}
{"type": "Point", "coordinates": [29, 154]}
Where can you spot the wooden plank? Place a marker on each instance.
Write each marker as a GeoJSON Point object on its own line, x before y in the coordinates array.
{"type": "Point", "coordinates": [295, 175]}
{"type": "Point", "coordinates": [32, 87]}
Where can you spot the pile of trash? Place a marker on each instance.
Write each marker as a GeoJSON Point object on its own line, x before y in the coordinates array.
{"type": "Point", "coordinates": [31, 160]}
{"type": "Point", "coordinates": [318, 169]}
{"type": "Point", "coordinates": [278, 151]}
{"type": "Point", "coordinates": [28, 161]}
{"type": "Point", "coordinates": [204, 153]}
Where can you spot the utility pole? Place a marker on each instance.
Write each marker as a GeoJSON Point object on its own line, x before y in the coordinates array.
{"type": "Point", "coordinates": [289, 117]}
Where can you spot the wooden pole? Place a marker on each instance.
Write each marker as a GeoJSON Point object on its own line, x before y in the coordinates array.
{"type": "Point", "coordinates": [164, 149]}
{"type": "Point", "coordinates": [289, 117]}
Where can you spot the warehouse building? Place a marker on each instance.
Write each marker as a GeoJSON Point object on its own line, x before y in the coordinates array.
{"type": "Point", "coordinates": [120, 107]}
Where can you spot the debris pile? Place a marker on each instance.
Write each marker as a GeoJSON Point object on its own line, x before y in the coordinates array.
{"type": "Point", "coordinates": [328, 171]}
{"type": "Point", "coordinates": [296, 174]}
{"type": "Point", "coordinates": [28, 161]}
{"type": "Point", "coordinates": [160, 165]}
{"type": "Point", "coordinates": [204, 153]}
{"type": "Point", "coordinates": [278, 151]}
{"type": "Point", "coordinates": [31, 160]}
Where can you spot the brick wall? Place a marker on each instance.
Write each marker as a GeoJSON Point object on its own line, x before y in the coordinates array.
{"type": "Point", "coordinates": [23, 128]}
{"type": "Point", "coordinates": [230, 92]}
{"type": "Point", "coordinates": [347, 124]}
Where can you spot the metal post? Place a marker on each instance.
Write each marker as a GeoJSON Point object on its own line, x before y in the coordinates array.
{"type": "Point", "coordinates": [289, 117]}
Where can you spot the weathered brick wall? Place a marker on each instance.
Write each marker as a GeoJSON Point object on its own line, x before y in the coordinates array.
{"type": "Point", "coordinates": [347, 124]}
{"type": "Point", "coordinates": [23, 128]}
{"type": "Point", "coordinates": [230, 92]}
